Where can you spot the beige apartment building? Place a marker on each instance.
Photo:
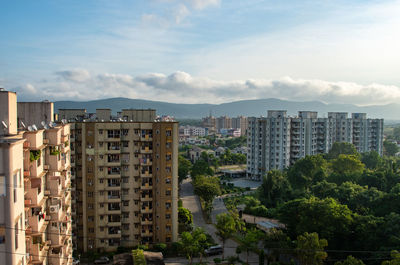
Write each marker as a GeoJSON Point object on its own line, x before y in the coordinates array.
{"type": "Point", "coordinates": [35, 181]}
{"type": "Point", "coordinates": [125, 181]}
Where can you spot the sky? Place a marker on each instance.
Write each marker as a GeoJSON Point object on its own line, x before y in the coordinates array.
{"type": "Point", "coordinates": [202, 51]}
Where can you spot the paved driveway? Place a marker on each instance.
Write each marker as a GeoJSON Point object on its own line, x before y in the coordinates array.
{"type": "Point", "coordinates": [192, 202]}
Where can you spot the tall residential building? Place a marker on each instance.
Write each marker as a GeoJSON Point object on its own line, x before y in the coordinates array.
{"type": "Point", "coordinates": [125, 181]}
{"type": "Point", "coordinates": [35, 199]}
{"type": "Point", "coordinates": [277, 141]}
{"type": "Point", "coordinates": [223, 122]}
{"type": "Point", "coordinates": [241, 123]}
{"type": "Point", "coordinates": [209, 123]}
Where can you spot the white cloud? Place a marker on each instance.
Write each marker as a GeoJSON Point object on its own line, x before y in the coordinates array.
{"type": "Point", "coordinates": [202, 4]}
{"type": "Point", "coordinates": [75, 75]}
{"type": "Point", "coordinates": [180, 13]}
{"type": "Point", "coordinates": [181, 87]}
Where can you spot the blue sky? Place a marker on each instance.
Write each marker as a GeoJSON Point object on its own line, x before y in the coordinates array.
{"type": "Point", "coordinates": [202, 50]}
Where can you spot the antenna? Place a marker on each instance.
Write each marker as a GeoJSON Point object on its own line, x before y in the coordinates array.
{"type": "Point", "coordinates": [34, 127]}
{"type": "Point", "coordinates": [4, 124]}
{"type": "Point", "coordinates": [30, 128]}
{"type": "Point", "coordinates": [23, 124]}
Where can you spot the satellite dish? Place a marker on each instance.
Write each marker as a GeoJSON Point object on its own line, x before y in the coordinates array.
{"type": "Point", "coordinates": [64, 121]}
{"type": "Point", "coordinates": [30, 128]}
{"type": "Point", "coordinates": [46, 126]}
{"type": "Point", "coordinates": [43, 123]}
{"type": "Point", "coordinates": [4, 124]}
{"type": "Point", "coordinates": [34, 127]}
{"type": "Point", "coordinates": [53, 124]}
{"type": "Point", "coordinates": [23, 124]}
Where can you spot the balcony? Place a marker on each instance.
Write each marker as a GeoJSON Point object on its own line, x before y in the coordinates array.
{"type": "Point", "coordinates": [146, 198]}
{"type": "Point", "coordinates": [55, 162]}
{"type": "Point", "coordinates": [54, 136]}
{"type": "Point", "coordinates": [57, 256]}
{"type": "Point", "coordinates": [146, 161]}
{"type": "Point", "coordinates": [145, 174]}
{"type": "Point", "coordinates": [54, 184]}
{"type": "Point", "coordinates": [146, 222]}
{"type": "Point", "coordinates": [146, 210]}
{"type": "Point", "coordinates": [38, 252]}
{"type": "Point", "coordinates": [38, 222]}
{"type": "Point", "coordinates": [146, 150]}
{"type": "Point", "coordinates": [146, 138]}
{"type": "Point", "coordinates": [146, 233]}
{"type": "Point", "coordinates": [146, 186]}
{"type": "Point", "coordinates": [34, 192]}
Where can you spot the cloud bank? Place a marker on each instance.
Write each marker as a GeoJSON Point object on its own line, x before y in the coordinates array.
{"type": "Point", "coordinates": [181, 87]}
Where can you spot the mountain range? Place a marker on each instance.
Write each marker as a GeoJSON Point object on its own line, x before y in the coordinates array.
{"type": "Point", "coordinates": [257, 107]}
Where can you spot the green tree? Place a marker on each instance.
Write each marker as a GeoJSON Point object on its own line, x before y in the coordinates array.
{"type": "Point", "coordinates": [347, 165]}
{"type": "Point", "coordinates": [192, 244]}
{"type": "Point", "coordinates": [327, 217]}
{"type": "Point", "coordinates": [310, 249]}
{"type": "Point", "coordinates": [249, 241]}
{"type": "Point", "coordinates": [185, 219]}
{"type": "Point", "coordinates": [226, 226]}
{"type": "Point", "coordinates": [395, 258]}
{"type": "Point", "coordinates": [201, 167]}
{"type": "Point", "coordinates": [207, 188]}
{"type": "Point", "coordinates": [307, 171]}
{"type": "Point", "coordinates": [372, 159]}
{"type": "Point", "coordinates": [275, 188]}
{"type": "Point", "coordinates": [277, 242]}
{"type": "Point", "coordinates": [389, 148]}
{"type": "Point", "coordinates": [350, 261]}
{"type": "Point", "coordinates": [184, 167]}
{"type": "Point", "coordinates": [341, 148]}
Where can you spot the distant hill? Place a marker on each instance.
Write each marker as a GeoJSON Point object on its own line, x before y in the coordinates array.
{"type": "Point", "coordinates": [256, 107]}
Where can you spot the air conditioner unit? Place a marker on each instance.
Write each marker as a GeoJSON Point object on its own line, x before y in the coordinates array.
{"type": "Point", "coordinates": [53, 208]}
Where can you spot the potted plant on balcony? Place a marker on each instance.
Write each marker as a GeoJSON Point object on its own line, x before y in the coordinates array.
{"type": "Point", "coordinates": [34, 155]}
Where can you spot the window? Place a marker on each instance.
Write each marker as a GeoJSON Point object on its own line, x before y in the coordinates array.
{"type": "Point", "coordinates": [90, 206]}
{"type": "Point", "coordinates": [2, 186]}
{"type": "Point", "coordinates": [100, 131]}
{"type": "Point", "coordinates": [90, 194]}
{"type": "Point", "coordinates": [126, 203]}
{"type": "Point", "coordinates": [167, 216]}
{"type": "Point", "coordinates": [167, 193]}
{"type": "Point", "coordinates": [91, 218]}
{"type": "Point", "coordinates": [15, 187]}
{"type": "Point", "coordinates": [101, 205]}
{"type": "Point", "coordinates": [16, 235]}
{"type": "Point", "coordinates": [91, 230]}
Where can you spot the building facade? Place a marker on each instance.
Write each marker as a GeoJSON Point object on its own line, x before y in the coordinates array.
{"type": "Point", "coordinates": [35, 194]}
{"type": "Point", "coordinates": [278, 141]}
{"type": "Point", "coordinates": [125, 182]}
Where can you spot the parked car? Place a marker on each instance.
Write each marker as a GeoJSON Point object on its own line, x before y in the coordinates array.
{"type": "Point", "coordinates": [102, 260]}
{"type": "Point", "coordinates": [214, 250]}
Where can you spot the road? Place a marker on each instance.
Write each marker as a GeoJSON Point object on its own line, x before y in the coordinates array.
{"type": "Point", "coordinates": [192, 202]}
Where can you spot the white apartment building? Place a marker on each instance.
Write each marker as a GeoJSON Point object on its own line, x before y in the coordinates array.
{"type": "Point", "coordinates": [277, 141]}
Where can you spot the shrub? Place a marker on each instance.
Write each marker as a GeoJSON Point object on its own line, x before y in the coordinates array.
{"type": "Point", "coordinates": [138, 257]}
{"type": "Point", "coordinates": [217, 260]}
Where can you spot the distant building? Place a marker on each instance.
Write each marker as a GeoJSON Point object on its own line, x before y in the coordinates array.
{"type": "Point", "coordinates": [241, 123]}
{"type": "Point", "coordinates": [192, 131]}
{"type": "Point", "coordinates": [277, 141]}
